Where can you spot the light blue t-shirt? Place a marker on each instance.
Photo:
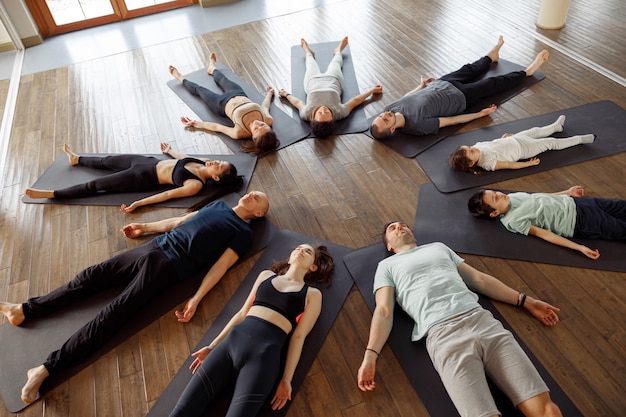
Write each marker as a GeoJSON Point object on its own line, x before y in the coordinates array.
{"type": "Point", "coordinates": [553, 212]}
{"type": "Point", "coordinates": [427, 285]}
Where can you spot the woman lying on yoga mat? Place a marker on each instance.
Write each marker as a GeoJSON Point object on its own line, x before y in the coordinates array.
{"type": "Point", "coordinates": [247, 352]}
{"type": "Point", "coordinates": [139, 172]}
{"type": "Point", "coordinates": [250, 120]}
{"type": "Point", "coordinates": [323, 101]}
{"type": "Point", "coordinates": [505, 153]}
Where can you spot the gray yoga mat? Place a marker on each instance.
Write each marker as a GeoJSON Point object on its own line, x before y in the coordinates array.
{"type": "Point", "coordinates": [410, 146]}
{"type": "Point", "coordinates": [445, 218]}
{"type": "Point", "coordinates": [605, 119]}
{"type": "Point", "coordinates": [61, 174]}
{"type": "Point", "coordinates": [333, 298]}
{"type": "Point", "coordinates": [356, 122]}
{"type": "Point", "coordinates": [28, 345]}
{"type": "Point", "coordinates": [288, 130]}
{"type": "Point", "coordinates": [413, 357]}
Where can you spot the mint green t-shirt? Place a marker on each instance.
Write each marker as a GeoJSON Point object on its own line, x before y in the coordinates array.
{"type": "Point", "coordinates": [553, 212]}
{"type": "Point", "coordinates": [427, 285]}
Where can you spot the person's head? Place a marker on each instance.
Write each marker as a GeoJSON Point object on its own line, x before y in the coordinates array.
{"type": "Point", "coordinates": [263, 139]}
{"type": "Point", "coordinates": [464, 158]}
{"type": "Point", "coordinates": [254, 204]}
{"type": "Point", "coordinates": [488, 204]}
{"type": "Point", "coordinates": [396, 235]}
{"type": "Point", "coordinates": [219, 170]}
{"type": "Point", "coordinates": [223, 182]}
{"type": "Point", "coordinates": [322, 124]}
{"type": "Point", "coordinates": [315, 258]}
{"type": "Point", "coordinates": [383, 125]}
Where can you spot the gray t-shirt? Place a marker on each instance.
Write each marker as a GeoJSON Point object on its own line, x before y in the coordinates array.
{"type": "Point", "coordinates": [324, 90]}
{"type": "Point", "coordinates": [553, 212]}
{"type": "Point", "coordinates": [427, 285]}
{"type": "Point", "coordinates": [423, 109]}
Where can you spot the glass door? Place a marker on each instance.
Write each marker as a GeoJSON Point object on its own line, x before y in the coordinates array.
{"type": "Point", "coordinates": [61, 16]}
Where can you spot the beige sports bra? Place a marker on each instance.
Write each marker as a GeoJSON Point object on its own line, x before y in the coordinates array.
{"type": "Point", "coordinates": [243, 110]}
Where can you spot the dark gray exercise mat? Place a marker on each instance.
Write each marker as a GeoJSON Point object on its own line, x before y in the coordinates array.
{"type": "Point", "coordinates": [445, 218]}
{"type": "Point", "coordinates": [333, 298]}
{"type": "Point", "coordinates": [356, 122]}
{"type": "Point", "coordinates": [410, 146]}
{"type": "Point", "coordinates": [605, 119]}
{"type": "Point", "coordinates": [61, 174]}
{"type": "Point", "coordinates": [28, 345]}
{"type": "Point", "coordinates": [288, 130]}
{"type": "Point", "coordinates": [413, 357]}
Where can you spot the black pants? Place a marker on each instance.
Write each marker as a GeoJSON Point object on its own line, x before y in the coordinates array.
{"type": "Point", "coordinates": [131, 173]}
{"type": "Point", "coordinates": [465, 79]}
{"type": "Point", "coordinates": [250, 356]}
{"type": "Point", "coordinates": [214, 101]}
{"type": "Point", "coordinates": [600, 218]}
{"type": "Point", "coordinates": [144, 272]}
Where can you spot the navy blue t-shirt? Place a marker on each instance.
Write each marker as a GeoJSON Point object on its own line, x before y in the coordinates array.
{"type": "Point", "coordinates": [199, 242]}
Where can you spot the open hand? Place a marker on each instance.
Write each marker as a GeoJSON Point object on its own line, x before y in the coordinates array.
{"type": "Point", "coordinates": [188, 312]}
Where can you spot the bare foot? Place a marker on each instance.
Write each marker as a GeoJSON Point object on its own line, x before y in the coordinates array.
{"type": "Point", "coordinates": [539, 60]}
{"type": "Point", "coordinates": [34, 193]}
{"type": "Point", "coordinates": [73, 158]}
{"type": "Point", "coordinates": [176, 74]}
{"type": "Point", "coordinates": [342, 45]}
{"type": "Point", "coordinates": [212, 62]}
{"type": "Point", "coordinates": [494, 54]}
{"type": "Point", "coordinates": [36, 376]}
{"type": "Point", "coordinates": [13, 312]}
{"type": "Point", "coordinates": [304, 44]}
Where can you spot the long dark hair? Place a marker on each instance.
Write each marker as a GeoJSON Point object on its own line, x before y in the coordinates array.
{"type": "Point", "coordinates": [323, 275]}
{"type": "Point", "coordinates": [264, 144]}
{"type": "Point", "coordinates": [229, 182]}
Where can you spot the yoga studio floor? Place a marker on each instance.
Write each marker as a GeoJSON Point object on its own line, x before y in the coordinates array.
{"type": "Point", "coordinates": [342, 189]}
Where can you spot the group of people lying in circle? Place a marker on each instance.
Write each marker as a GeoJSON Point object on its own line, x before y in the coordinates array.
{"type": "Point", "coordinates": [284, 303]}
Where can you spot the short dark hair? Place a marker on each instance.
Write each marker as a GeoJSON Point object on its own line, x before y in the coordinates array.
{"type": "Point", "coordinates": [263, 144]}
{"type": "Point", "coordinates": [379, 133]}
{"type": "Point", "coordinates": [459, 161]}
{"type": "Point", "coordinates": [384, 236]}
{"type": "Point", "coordinates": [322, 129]}
{"type": "Point", "coordinates": [321, 276]}
{"type": "Point", "coordinates": [477, 206]}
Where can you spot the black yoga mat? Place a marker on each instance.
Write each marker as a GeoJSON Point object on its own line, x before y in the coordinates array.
{"type": "Point", "coordinates": [409, 145]}
{"type": "Point", "coordinates": [413, 356]}
{"type": "Point", "coordinates": [445, 218]}
{"type": "Point", "coordinates": [356, 122]}
{"type": "Point", "coordinates": [28, 345]}
{"type": "Point", "coordinates": [61, 174]}
{"type": "Point", "coordinates": [288, 130]}
{"type": "Point", "coordinates": [333, 297]}
{"type": "Point", "coordinates": [605, 119]}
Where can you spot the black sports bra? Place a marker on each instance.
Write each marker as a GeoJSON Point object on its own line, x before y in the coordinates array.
{"type": "Point", "coordinates": [180, 174]}
{"type": "Point", "coordinates": [289, 304]}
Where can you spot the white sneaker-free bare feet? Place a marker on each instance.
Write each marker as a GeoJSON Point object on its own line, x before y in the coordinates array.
{"type": "Point", "coordinates": [212, 62]}
{"type": "Point", "coordinates": [174, 72]}
{"type": "Point", "coordinates": [536, 64]}
{"type": "Point", "coordinates": [342, 45]}
{"type": "Point", "coordinates": [305, 45]}
{"type": "Point", "coordinates": [36, 376]}
{"type": "Point", "coordinates": [494, 54]}
{"type": "Point", "coordinates": [13, 312]}
{"type": "Point", "coordinates": [71, 156]}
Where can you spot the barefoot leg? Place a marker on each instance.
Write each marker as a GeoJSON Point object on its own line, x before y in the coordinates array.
{"type": "Point", "coordinates": [212, 62]}
{"type": "Point", "coordinates": [494, 54]}
{"type": "Point", "coordinates": [36, 376]}
{"type": "Point", "coordinates": [342, 45]}
{"type": "Point", "coordinates": [71, 156]}
{"type": "Point", "coordinates": [539, 60]}
{"type": "Point", "coordinates": [175, 73]}
{"type": "Point", "coordinates": [13, 312]}
{"type": "Point", "coordinates": [34, 193]}
{"type": "Point", "coordinates": [305, 45]}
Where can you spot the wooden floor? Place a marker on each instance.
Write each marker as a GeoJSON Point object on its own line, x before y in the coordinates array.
{"type": "Point", "coordinates": [341, 189]}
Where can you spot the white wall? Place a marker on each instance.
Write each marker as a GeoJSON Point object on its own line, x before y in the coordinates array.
{"type": "Point", "coordinates": [21, 18]}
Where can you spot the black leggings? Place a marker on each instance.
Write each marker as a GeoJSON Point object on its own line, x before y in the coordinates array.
{"type": "Point", "coordinates": [465, 79]}
{"type": "Point", "coordinates": [216, 102]}
{"type": "Point", "coordinates": [131, 173]}
{"type": "Point", "coordinates": [143, 272]}
{"type": "Point", "coordinates": [250, 356]}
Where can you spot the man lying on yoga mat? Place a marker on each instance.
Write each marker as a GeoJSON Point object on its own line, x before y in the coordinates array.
{"type": "Point", "coordinates": [323, 92]}
{"type": "Point", "coordinates": [250, 120]}
{"type": "Point", "coordinates": [435, 288]}
{"type": "Point", "coordinates": [248, 350]}
{"type": "Point", "coordinates": [434, 104]}
{"type": "Point", "coordinates": [506, 152]}
{"type": "Point", "coordinates": [554, 217]}
{"type": "Point", "coordinates": [212, 238]}
{"type": "Point", "coordinates": [139, 172]}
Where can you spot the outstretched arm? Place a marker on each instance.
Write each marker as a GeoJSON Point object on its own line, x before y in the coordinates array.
{"type": "Point", "coordinates": [382, 322]}
{"type": "Point", "coordinates": [575, 191]}
{"type": "Point", "coordinates": [265, 106]}
{"type": "Point", "coordinates": [517, 164]}
{"type": "Point", "coordinates": [231, 132]}
{"type": "Point", "coordinates": [358, 100]}
{"type": "Point", "coordinates": [166, 148]}
{"type": "Point", "coordinates": [134, 230]}
{"type": "Point", "coordinates": [466, 117]}
{"type": "Point", "coordinates": [494, 288]}
{"type": "Point", "coordinates": [190, 187]}
{"type": "Point", "coordinates": [293, 100]}
{"type": "Point", "coordinates": [311, 313]}
{"type": "Point", "coordinates": [551, 237]}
